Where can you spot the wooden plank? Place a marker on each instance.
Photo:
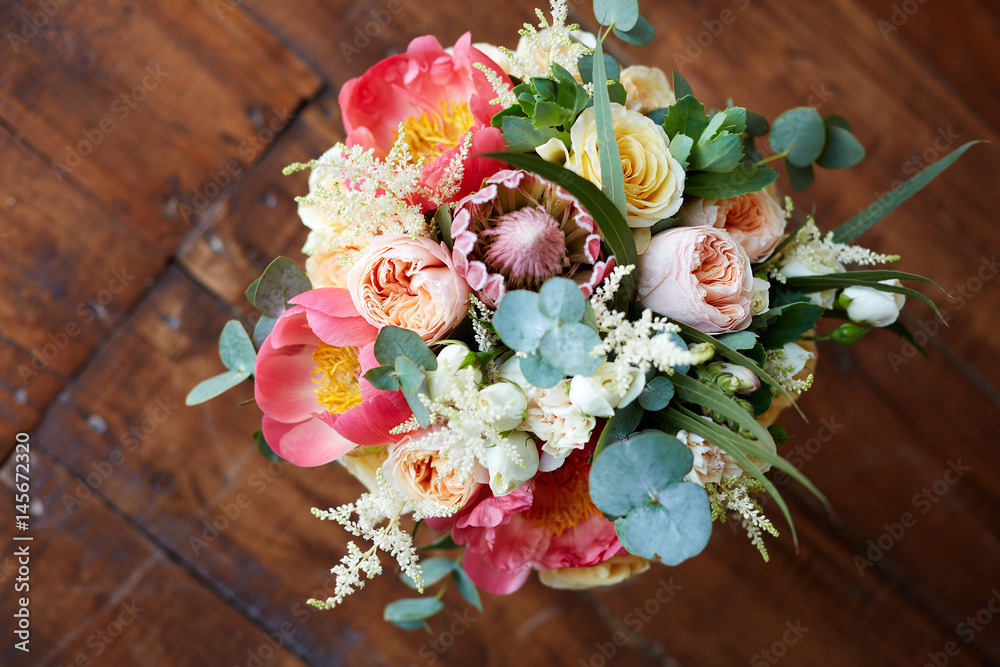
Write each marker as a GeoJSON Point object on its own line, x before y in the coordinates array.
{"type": "Point", "coordinates": [22, 401]}
{"type": "Point", "coordinates": [163, 97]}
{"type": "Point", "coordinates": [102, 595]}
{"type": "Point", "coordinates": [182, 469]}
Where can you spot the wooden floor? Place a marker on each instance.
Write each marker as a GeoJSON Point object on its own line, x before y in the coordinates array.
{"type": "Point", "coordinates": [141, 145]}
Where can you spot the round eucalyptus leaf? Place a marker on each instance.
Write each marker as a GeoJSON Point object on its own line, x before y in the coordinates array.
{"type": "Point", "coordinates": [656, 394]}
{"type": "Point", "coordinates": [632, 472]}
{"type": "Point", "coordinates": [519, 322]}
{"type": "Point", "coordinates": [539, 372]}
{"type": "Point", "coordinates": [235, 348]}
{"type": "Point", "coordinates": [434, 570]}
{"type": "Point", "coordinates": [568, 348]}
{"type": "Point", "coordinates": [281, 280]}
{"type": "Point", "coordinates": [674, 528]}
{"type": "Point", "coordinates": [562, 300]}
{"type": "Point", "coordinates": [801, 132]}
{"type": "Point", "coordinates": [411, 609]}
{"type": "Point", "coordinates": [395, 342]}
{"type": "Point", "coordinates": [842, 149]}
{"type": "Point", "coordinates": [622, 13]}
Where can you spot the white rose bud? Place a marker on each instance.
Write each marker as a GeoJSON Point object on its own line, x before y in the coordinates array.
{"type": "Point", "coordinates": [867, 305]}
{"type": "Point", "coordinates": [795, 268]}
{"type": "Point", "coordinates": [598, 394]}
{"type": "Point", "coordinates": [442, 382]}
{"type": "Point", "coordinates": [508, 398]}
{"type": "Point", "coordinates": [505, 473]}
{"type": "Point", "coordinates": [760, 302]}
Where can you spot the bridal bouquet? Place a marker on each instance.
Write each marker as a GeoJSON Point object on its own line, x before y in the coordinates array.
{"type": "Point", "coordinates": [550, 312]}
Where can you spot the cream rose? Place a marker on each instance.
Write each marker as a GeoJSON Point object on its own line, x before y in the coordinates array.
{"type": "Point", "coordinates": [612, 571]}
{"type": "Point", "coordinates": [699, 276]}
{"type": "Point", "coordinates": [506, 473]}
{"type": "Point", "coordinates": [447, 379]}
{"type": "Point", "coordinates": [329, 267]}
{"type": "Point", "coordinates": [601, 393]}
{"type": "Point", "coordinates": [711, 464]}
{"type": "Point", "coordinates": [647, 88]}
{"type": "Point", "coordinates": [409, 283]}
{"type": "Point", "coordinates": [755, 220]}
{"type": "Point", "coordinates": [654, 180]}
{"type": "Point", "coordinates": [422, 474]}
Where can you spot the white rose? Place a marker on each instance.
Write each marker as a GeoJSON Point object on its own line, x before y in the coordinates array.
{"type": "Point", "coordinates": [507, 398]}
{"type": "Point", "coordinates": [555, 420]}
{"type": "Point", "coordinates": [505, 474]}
{"type": "Point", "coordinates": [654, 180]}
{"type": "Point", "coordinates": [794, 358]}
{"type": "Point", "coordinates": [760, 302]}
{"type": "Point", "coordinates": [612, 571]}
{"type": "Point", "coordinates": [447, 378]}
{"type": "Point", "coordinates": [867, 305]}
{"type": "Point", "coordinates": [795, 268]}
{"type": "Point", "coordinates": [600, 394]}
{"type": "Point", "coordinates": [647, 88]}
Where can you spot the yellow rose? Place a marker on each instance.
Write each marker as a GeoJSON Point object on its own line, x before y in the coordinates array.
{"type": "Point", "coordinates": [612, 571]}
{"type": "Point", "coordinates": [647, 88]}
{"type": "Point", "coordinates": [654, 180]}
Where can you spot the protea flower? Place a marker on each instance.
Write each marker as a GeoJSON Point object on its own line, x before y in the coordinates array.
{"type": "Point", "coordinates": [519, 231]}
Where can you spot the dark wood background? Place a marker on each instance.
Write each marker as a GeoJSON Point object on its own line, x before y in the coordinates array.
{"type": "Point", "coordinates": [141, 145]}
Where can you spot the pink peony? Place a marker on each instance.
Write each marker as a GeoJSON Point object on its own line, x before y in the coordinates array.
{"type": "Point", "coordinates": [548, 524]}
{"type": "Point", "coordinates": [518, 231]}
{"type": "Point", "coordinates": [699, 276]}
{"type": "Point", "coordinates": [438, 97]}
{"type": "Point", "coordinates": [308, 382]}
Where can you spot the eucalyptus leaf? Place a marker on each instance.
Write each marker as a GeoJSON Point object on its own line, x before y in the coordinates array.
{"type": "Point", "coordinates": [631, 472]}
{"type": "Point", "coordinates": [420, 411]}
{"type": "Point", "coordinates": [674, 528]}
{"type": "Point", "coordinates": [641, 34]}
{"type": "Point", "coordinates": [568, 349]}
{"type": "Point", "coordinates": [214, 386]}
{"type": "Point", "coordinates": [740, 340]}
{"type": "Point", "coordinates": [800, 177]}
{"type": "Point", "coordinates": [412, 379]}
{"type": "Point", "coordinates": [539, 372]}
{"type": "Point", "coordinates": [235, 348]}
{"type": "Point", "coordinates": [612, 176]}
{"type": "Point", "coordinates": [383, 377]}
{"type": "Point", "coordinates": [621, 13]}
{"type": "Point", "coordinates": [434, 570]}
{"type": "Point", "coordinates": [842, 149]}
{"type": "Point", "coordinates": [520, 322]}
{"type": "Point", "coordinates": [412, 609]}
{"type": "Point", "coordinates": [757, 125]}
{"type": "Point", "coordinates": [620, 426]}
{"type": "Point", "coordinates": [657, 394]}
{"type": "Point", "coordinates": [394, 342]}
{"type": "Point", "coordinates": [281, 280]}
{"type": "Point", "coordinates": [681, 87]}
{"type": "Point", "coordinates": [466, 587]}
{"type": "Point", "coordinates": [561, 299]}
{"type": "Point", "coordinates": [264, 448]}
{"type": "Point", "coordinates": [800, 132]}
{"type": "Point", "coordinates": [612, 70]}
{"type": "Point", "coordinates": [263, 329]}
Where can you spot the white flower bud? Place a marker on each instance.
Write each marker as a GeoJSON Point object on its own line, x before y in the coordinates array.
{"type": "Point", "coordinates": [508, 398]}
{"type": "Point", "coordinates": [760, 302]}
{"type": "Point", "coordinates": [867, 305]}
{"type": "Point", "coordinates": [505, 474]}
{"type": "Point", "coordinates": [599, 394]}
{"type": "Point", "coordinates": [442, 382]}
{"type": "Point", "coordinates": [795, 268]}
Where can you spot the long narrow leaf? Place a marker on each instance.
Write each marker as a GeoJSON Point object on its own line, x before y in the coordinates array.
{"type": "Point", "coordinates": [741, 360]}
{"type": "Point", "coordinates": [865, 220]}
{"type": "Point", "coordinates": [825, 282]}
{"type": "Point", "coordinates": [693, 391]}
{"type": "Point", "coordinates": [612, 176]}
{"type": "Point", "coordinates": [609, 221]}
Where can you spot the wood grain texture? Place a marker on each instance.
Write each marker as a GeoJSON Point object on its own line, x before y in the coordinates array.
{"type": "Point", "coordinates": [186, 194]}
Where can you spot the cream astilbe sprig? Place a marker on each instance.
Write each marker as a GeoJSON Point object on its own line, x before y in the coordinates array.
{"type": "Point", "coordinates": [501, 85]}
{"type": "Point", "coordinates": [547, 44]}
{"type": "Point", "coordinates": [378, 521]}
{"type": "Point", "coordinates": [819, 251]}
{"type": "Point", "coordinates": [778, 365]}
{"type": "Point", "coordinates": [639, 343]}
{"type": "Point", "coordinates": [733, 495]}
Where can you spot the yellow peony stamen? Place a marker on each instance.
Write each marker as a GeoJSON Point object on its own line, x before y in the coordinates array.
{"type": "Point", "coordinates": [431, 134]}
{"type": "Point", "coordinates": [337, 374]}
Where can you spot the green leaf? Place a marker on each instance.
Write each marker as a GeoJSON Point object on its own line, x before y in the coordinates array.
{"type": "Point", "coordinates": [611, 223]}
{"type": "Point", "coordinates": [735, 120]}
{"type": "Point", "coordinates": [709, 396]}
{"type": "Point", "coordinates": [522, 136]}
{"type": "Point", "coordinates": [739, 359]}
{"type": "Point", "coordinates": [539, 372]}
{"type": "Point", "coordinates": [612, 176]}
{"type": "Point", "coordinates": [443, 221]}
{"type": "Point", "coordinates": [757, 125]}
{"type": "Point", "coordinates": [549, 114]}
{"type": "Point", "coordinates": [741, 340]}
{"type": "Point", "coordinates": [412, 378]}
{"type": "Point", "coordinates": [827, 281]}
{"type": "Point", "coordinates": [656, 394]}
{"type": "Point", "coordinates": [281, 280]}
{"type": "Point", "coordinates": [568, 349]}
{"type": "Point", "coordinates": [394, 342]}
{"type": "Point", "coordinates": [235, 348]}
{"type": "Point", "coordinates": [640, 35]}
{"type": "Point", "coordinates": [675, 527]}
{"type": "Point", "coordinates": [800, 177]}
{"type": "Point", "coordinates": [618, 427]}
{"type": "Point", "coordinates": [621, 13]}
{"type": "Point", "coordinates": [466, 588]}
{"type": "Point", "coordinates": [680, 148]}
{"type": "Point", "coordinates": [520, 322]}
{"type": "Point", "coordinates": [744, 179]}
{"type": "Point", "coordinates": [412, 609]}
{"type": "Point", "coordinates": [264, 448]}
{"type": "Point", "coordinates": [794, 320]}
{"type": "Point", "coordinates": [720, 155]}
{"type": "Point", "coordinates": [420, 411]}
{"type": "Point", "coordinates": [761, 400]}
{"type": "Point", "coordinates": [263, 329]}
{"type": "Point", "coordinates": [612, 70]}
{"type": "Point", "coordinates": [629, 473]}
{"type": "Point", "coordinates": [382, 377]}
{"type": "Point", "coordinates": [800, 132]}
{"type": "Point", "coordinates": [213, 386]}
{"type": "Point", "coordinates": [833, 120]}
{"type": "Point", "coordinates": [862, 222]}
{"type": "Point", "coordinates": [561, 299]}
{"type": "Point", "coordinates": [434, 570]}
{"type": "Point", "coordinates": [842, 149]}
{"type": "Point", "coordinates": [685, 116]}
{"type": "Point", "coordinates": [251, 291]}
{"type": "Point", "coordinates": [681, 87]}
{"type": "Point", "coordinates": [544, 87]}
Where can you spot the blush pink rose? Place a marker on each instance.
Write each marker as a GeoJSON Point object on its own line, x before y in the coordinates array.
{"type": "Point", "coordinates": [755, 220]}
{"type": "Point", "coordinates": [699, 276]}
{"type": "Point", "coordinates": [409, 283]}
{"type": "Point", "coordinates": [308, 382]}
{"type": "Point", "coordinates": [439, 97]}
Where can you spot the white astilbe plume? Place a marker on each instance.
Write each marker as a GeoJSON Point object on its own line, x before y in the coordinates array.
{"type": "Point", "coordinates": [378, 515]}
{"type": "Point", "coordinates": [733, 495]}
{"type": "Point", "coordinates": [783, 370]}
{"type": "Point", "coordinates": [501, 86]}
{"type": "Point", "coordinates": [818, 252]}
{"type": "Point", "coordinates": [481, 316]}
{"type": "Point", "coordinates": [638, 343]}
{"type": "Point", "coordinates": [548, 43]}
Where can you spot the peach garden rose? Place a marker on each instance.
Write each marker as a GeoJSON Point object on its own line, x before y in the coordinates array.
{"type": "Point", "coordinates": [755, 220]}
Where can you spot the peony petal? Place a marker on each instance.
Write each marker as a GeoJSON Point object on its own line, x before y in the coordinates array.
{"type": "Point", "coordinates": [490, 578]}
{"type": "Point", "coordinates": [292, 328]}
{"type": "Point", "coordinates": [308, 443]}
{"type": "Point", "coordinates": [370, 423]}
{"type": "Point", "coordinates": [283, 382]}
